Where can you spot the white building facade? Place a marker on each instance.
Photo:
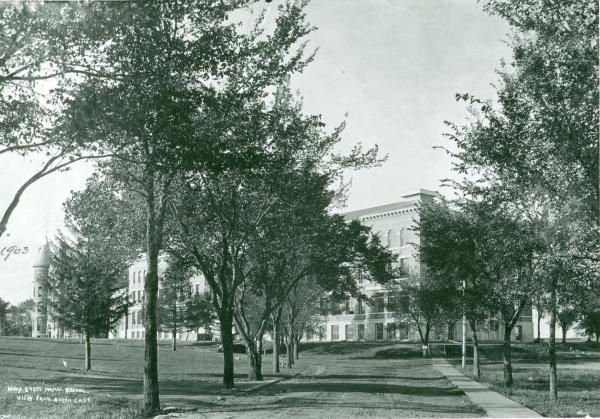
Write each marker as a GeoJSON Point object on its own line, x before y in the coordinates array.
{"type": "Point", "coordinates": [383, 320]}
{"type": "Point", "coordinates": [131, 326]}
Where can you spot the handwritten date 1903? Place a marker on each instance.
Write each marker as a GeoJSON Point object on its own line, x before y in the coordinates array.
{"type": "Point", "coordinates": [8, 251]}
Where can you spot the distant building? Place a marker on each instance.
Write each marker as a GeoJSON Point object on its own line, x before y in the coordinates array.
{"type": "Point", "coordinates": [39, 314]}
{"type": "Point", "coordinates": [382, 321]}
{"type": "Point", "coordinates": [131, 326]}
{"type": "Point", "coordinates": [43, 324]}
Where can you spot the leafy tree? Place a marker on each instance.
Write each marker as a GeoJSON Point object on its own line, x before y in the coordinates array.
{"type": "Point", "coordinates": [39, 44]}
{"type": "Point", "coordinates": [514, 245]}
{"type": "Point", "coordinates": [199, 312]}
{"type": "Point", "coordinates": [590, 322]}
{"type": "Point", "coordinates": [549, 98]}
{"type": "Point", "coordinates": [429, 304]}
{"type": "Point", "coordinates": [215, 217]}
{"type": "Point", "coordinates": [83, 289]}
{"type": "Point", "coordinates": [225, 220]}
{"type": "Point", "coordinates": [566, 278]}
{"type": "Point", "coordinates": [4, 309]}
{"type": "Point", "coordinates": [455, 247]}
{"type": "Point", "coordinates": [566, 317]}
{"type": "Point", "coordinates": [301, 313]}
{"type": "Point", "coordinates": [19, 319]}
{"type": "Point", "coordinates": [181, 90]}
{"type": "Point", "coordinates": [172, 304]}
{"type": "Point", "coordinates": [539, 143]}
{"type": "Point", "coordinates": [280, 253]}
{"type": "Point", "coordinates": [296, 240]}
{"type": "Point", "coordinates": [86, 273]}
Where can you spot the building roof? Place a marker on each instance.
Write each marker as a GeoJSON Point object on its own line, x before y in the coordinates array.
{"type": "Point", "coordinates": [409, 200]}
{"type": "Point", "coordinates": [43, 256]}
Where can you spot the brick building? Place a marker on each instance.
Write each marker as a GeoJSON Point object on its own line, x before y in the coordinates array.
{"type": "Point", "coordinates": [382, 320]}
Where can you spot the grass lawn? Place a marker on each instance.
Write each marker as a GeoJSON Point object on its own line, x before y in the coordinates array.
{"type": "Point", "coordinates": [578, 377]}
{"type": "Point", "coordinates": [338, 378]}
{"type": "Point", "coordinates": [114, 386]}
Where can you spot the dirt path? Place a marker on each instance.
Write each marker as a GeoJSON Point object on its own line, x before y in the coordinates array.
{"type": "Point", "coordinates": [351, 387]}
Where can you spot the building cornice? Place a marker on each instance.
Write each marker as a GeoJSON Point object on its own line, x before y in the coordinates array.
{"type": "Point", "coordinates": [387, 214]}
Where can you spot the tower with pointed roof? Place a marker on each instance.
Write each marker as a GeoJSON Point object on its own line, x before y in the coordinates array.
{"type": "Point", "coordinates": [39, 314]}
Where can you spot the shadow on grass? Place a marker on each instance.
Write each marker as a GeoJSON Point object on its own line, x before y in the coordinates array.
{"type": "Point", "coordinates": [335, 386]}
{"type": "Point", "coordinates": [321, 405]}
{"type": "Point", "coordinates": [127, 387]}
{"type": "Point", "coordinates": [341, 348]}
{"type": "Point", "coordinates": [200, 376]}
{"type": "Point", "coordinates": [374, 377]}
{"type": "Point", "coordinates": [62, 357]}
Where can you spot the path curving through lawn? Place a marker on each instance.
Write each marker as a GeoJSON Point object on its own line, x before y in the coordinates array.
{"type": "Point", "coordinates": [353, 385]}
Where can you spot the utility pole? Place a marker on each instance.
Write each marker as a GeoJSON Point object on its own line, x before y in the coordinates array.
{"type": "Point", "coordinates": [464, 330]}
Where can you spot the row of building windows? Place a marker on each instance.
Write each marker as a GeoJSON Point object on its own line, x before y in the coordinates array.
{"type": "Point", "coordinates": [138, 277]}
{"type": "Point", "coordinates": [136, 319]}
{"type": "Point", "coordinates": [394, 305]}
{"type": "Point", "coordinates": [136, 296]}
{"type": "Point", "coordinates": [362, 276]}
{"type": "Point", "coordinates": [393, 331]}
{"type": "Point", "coordinates": [394, 238]}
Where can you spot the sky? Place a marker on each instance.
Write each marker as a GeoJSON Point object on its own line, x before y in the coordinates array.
{"type": "Point", "coordinates": [389, 68]}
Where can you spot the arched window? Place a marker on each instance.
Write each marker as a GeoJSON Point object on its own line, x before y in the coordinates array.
{"type": "Point", "coordinates": [390, 238]}
{"type": "Point", "coordinates": [401, 234]}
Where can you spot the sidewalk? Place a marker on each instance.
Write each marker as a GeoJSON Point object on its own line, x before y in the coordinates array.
{"type": "Point", "coordinates": [495, 404]}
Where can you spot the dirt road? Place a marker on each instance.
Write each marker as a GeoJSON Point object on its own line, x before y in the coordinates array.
{"type": "Point", "coordinates": [351, 387]}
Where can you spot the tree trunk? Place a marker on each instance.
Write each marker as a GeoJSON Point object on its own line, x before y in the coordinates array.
{"type": "Point", "coordinates": [151, 394]}
{"type": "Point", "coordinates": [289, 352]}
{"type": "Point", "coordinates": [88, 352]}
{"type": "Point", "coordinates": [174, 340]}
{"type": "Point", "coordinates": [425, 341]}
{"type": "Point", "coordinates": [552, 347]}
{"type": "Point", "coordinates": [289, 355]}
{"type": "Point", "coordinates": [275, 344]}
{"type": "Point", "coordinates": [506, 357]}
{"type": "Point", "coordinates": [293, 347]}
{"type": "Point", "coordinates": [255, 360]}
{"type": "Point", "coordinates": [564, 334]}
{"type": "Point", "coordinates": [539, 318]}
{"type": "Point", "coordinates": [226, 321]}
{"type": "Point", "coordinates": [476, 369]}
{"type": "Point", "coordinates": [296, 347]}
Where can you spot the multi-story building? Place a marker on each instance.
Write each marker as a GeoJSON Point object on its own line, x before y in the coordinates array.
{"type": "Point", "coordinates": [131, 326]}
{"type": "Point", "coordinates": [384, 319]}
{"type": "Point", "coordinates": [354, 320]}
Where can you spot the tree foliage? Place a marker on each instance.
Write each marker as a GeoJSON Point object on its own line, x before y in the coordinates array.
{"type": "Point", "coordinates": [18, 319]}
{"type": "Point", "coordinates": [533, 155]}
{"type": "Point", "coordinates": [88, 265]}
